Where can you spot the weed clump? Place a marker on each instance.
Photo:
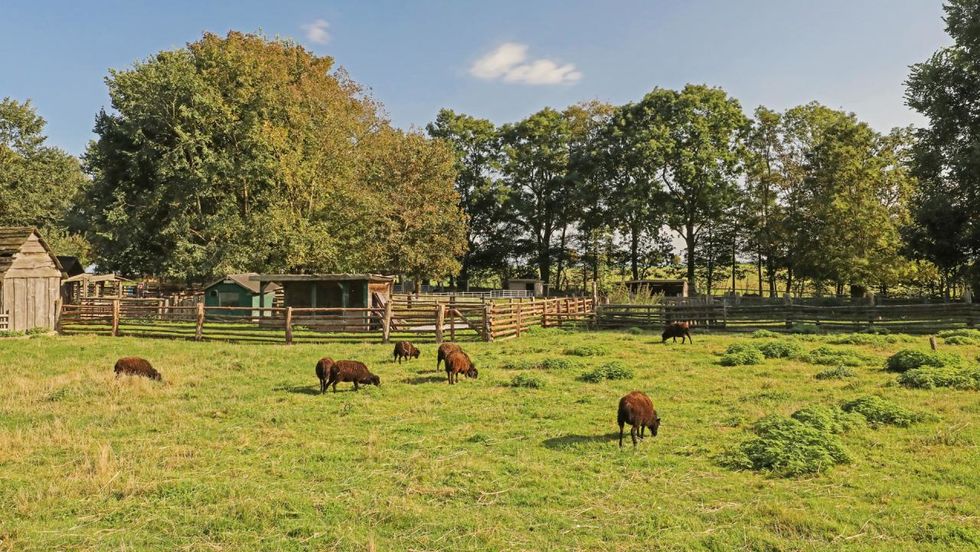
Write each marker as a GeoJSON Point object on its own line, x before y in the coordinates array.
{"type": "Point", "coordinates": [763, 334]}
{"type": "Point", "coordinates": [962, 332]}
{"type": "Point", "coordinates": [908, 359]}
{"type": "Point", "coordinates": [879, 411]}
{"type": "Point", "coordinates": [877, 340]}
{"type": "Point", "coordinates": [551, 363]}
{"type": "Point", "coordinates": [840, 372]}
{"type": "Point", "coordinates": [808, 329]}
{"type": "Point", "coordinates": [10, 333]}
{"type": "Point", "coordinates": [614, 370]}
{"type": "Point", "coordinates": [37, 332]}
{"type": "Point", "coordinates": [788, 447]}
{"type": "Point", "coordinates": [826, 418]}
{"type": "Point", "coordinates": [960, 340]}
{"type": "Point", "coordinates": [826, 356]}
{"type": "Point", "coordinates": [587, 351]}
{"type": "Point", "coordinates": [635, 331]}
{"type": "Point", "coordinates": [780, 349]}
{"type": "Point", "coordinates": [929, 377]}
{"type": "Point", "coordinates": [742, 354]}
{"type": "Point", "coordinates": [527, 380]}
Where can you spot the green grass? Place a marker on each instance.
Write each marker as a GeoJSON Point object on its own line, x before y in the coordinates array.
{"type": "Point", "coordinates": [236, 450]}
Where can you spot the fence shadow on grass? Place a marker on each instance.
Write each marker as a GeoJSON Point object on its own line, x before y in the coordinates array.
{"type": "Point", "coordinates": [569, 441]}
{"type": "Point", "coordinates": [300, 389]}
{"type": "Point", "coordinates": [421, 380]}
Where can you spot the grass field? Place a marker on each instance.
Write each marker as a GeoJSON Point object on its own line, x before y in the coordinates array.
{"type": "Point", "coordinates": [236, 450]}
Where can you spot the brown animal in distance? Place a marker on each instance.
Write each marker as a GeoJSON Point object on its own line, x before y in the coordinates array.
{"type": "Point", "coordinates": [136, 366]}
{"type": "Point", "coordinates": [351, 371]}
{"type": "Point", "coordinates": [405, 350]}
{"type": "Point", "coordinates": [677, 329]}
{"type": "Point", "coordinates": [636, 409]}
{"type": "Point", "coordinates": [323, 372]}
{"type": "Point", "coordinates": [458, 363]}
{"type": "Point", "coordinates": [444, 351]}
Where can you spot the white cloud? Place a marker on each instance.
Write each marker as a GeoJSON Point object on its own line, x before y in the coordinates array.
{"type": "Point", "coordinates": [317, 31]}
{"type": "Point", "coordinates": [509, 62]}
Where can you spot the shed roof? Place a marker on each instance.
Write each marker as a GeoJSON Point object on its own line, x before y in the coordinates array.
{"type": "Point", "coordinates": [245, 281]}
{"type": "Point", "coordinates": [12, 239]}
{"type": "Point", "coordinates": [320, 277]}
{"type": "Point", "coordinates": [96, 278]}
{"type": "Point", "coordinates": [658, 281]}
{"type": "Point", "coordinates": [71, 265]}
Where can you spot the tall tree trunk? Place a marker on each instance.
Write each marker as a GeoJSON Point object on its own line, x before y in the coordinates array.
{"type": "Point", "coordinates": [758, 266]}
{"type": "Point", "coordinates": [635, 253]}
{"type": "Point", "coordinates": [691, 241]}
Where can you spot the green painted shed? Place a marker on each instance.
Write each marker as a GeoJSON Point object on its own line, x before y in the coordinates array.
{"type": "Point", "coordinates": [237, 290]}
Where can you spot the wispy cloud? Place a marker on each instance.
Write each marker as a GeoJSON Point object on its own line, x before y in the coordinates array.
{"type": "Point", "coordinates": [317, 31]}
{"type": "Point", "coordinates": [509, 62]}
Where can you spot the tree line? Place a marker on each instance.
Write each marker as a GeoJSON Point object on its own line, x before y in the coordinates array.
{"type": "Point", "coordinates": [241, 153]}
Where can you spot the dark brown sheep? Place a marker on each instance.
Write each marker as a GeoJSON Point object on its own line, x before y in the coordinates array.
{"type": "Point", "coordinates": [677, 329]}
{"type": "Point", "coordinates": [637, 410]}
{"type": "Point", "coordinates": [351, 371]}
{"type": "Point", "coordinates": [458, 363]}
{"type": "Point", "coordinates": [323, 372]}
{"type": "Point", "coordinates": [444, 350]}
{"type": "Point", "coordinates": [136, 366]}
{"type": "Point", "coordinates": [405, 350]}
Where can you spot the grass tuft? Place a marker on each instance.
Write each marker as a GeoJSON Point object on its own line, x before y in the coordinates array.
{"type": "Point", "coordinates": [840, 372]}
{"type": "Point", "coordinates": [908, 359]}
{"type": "Point", "coordinates": [763, 334]}
{"type": "Point", "coordinates": [787, 447]}
{"type": "Point", "coordinates": [930, 377]}
{"type": "Point", "coordinates": [527, 380]}
{"type": "Point", "coordinates": [614, 370]}
{"type": "Point", "coordinates": [742, 354]}
{"type": "Point", "coordinates": [782, 348]}
{"type": "Point", "coordinates": [827, 356]}
{"type": "Point", "coordinates": [587, 351]}
{"type": "Point", "coordinates": [880, 411]}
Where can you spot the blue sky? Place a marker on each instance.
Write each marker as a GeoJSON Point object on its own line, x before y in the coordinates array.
{"type": "Point", "coordinates": [502, 59]}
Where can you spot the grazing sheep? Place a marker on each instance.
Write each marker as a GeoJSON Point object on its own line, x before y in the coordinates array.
{"type": "Point", "coordinates": [444, 350]}
{"type": "Point", "coordinates": [677, 329]}
{"type": "Point", "coordinates": [405, 350]}
{"type": "Point", "coordinates": [458, 363]}
{"type": "Point", "coordinates": [351, 371]}
{"type": "Point", "coordinates": [637, 410]}
{"type": "Point", "coordinates": [323, 372]}
{"type": "Point", "coordinates": [136, 366]}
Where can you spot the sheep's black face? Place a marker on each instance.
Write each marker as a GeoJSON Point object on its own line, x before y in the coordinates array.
{"type": "Point", "coordinates": [471, 373]}
{"type": "Point", "coordinates": [375, 380]}
{"type": "Point", "coordinates": [664, 336]}
{"type": "Point", "coordinates": [415, 353]}
{"type": "Point", "coordinates": [655, 426]}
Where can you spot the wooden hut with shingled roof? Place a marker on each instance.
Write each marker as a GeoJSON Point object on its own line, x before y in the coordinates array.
{"type": "Point", "coordinates": [30, 280]}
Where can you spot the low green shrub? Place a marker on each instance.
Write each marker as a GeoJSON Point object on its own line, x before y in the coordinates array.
{"type": "Point", "coordinates": [614, 370]}
{"type": "Point", "coordinates": [527, 380]}
{"type": "Point", "coordinates": [826, 418]}
{"type": "Point", "coordinates": [826, 356]}
{"type": "Point", "coordinates": [762, 334]}
{"type": "Point", "coordinates": [10, 333]}
{"type": "Point", "coordinates": [550, 363]}
{"type": "Point", "coordinates": [587, 351]}
{"type": "Point", "coordinates": [783, 348]}
{"type": "Point", "coordinates": [37, 332]}
{"type": "Point", "coordinates": [962, 332]}
{"type": "Point", "coordinates": [877, 340]}
{"type": "Point", "coordinates": [805, 329]}
{"type": "Point", "coordinates": [635, 331]}
{"type": "Point", "coordinates": [840, 372]}
{"type": "Point", "coordinates": [960, 340]}
{"type": "Point", "coordinates": [879, 411]}
{"type": "Point", "coordinates": [742, 354]}
{"type": "Point", "coordinates": [930, 377]}
{"type": "Point", "coordinates": [789, 448]}
{"type": "Point", "coordinates": [907, 359]}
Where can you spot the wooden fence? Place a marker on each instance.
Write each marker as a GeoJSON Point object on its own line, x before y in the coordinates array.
{"type": "Point", "coordinates": [899, 318]}
{"type": "Point", "coordinates": [4, 321]}
{"type": "Point", "coordinates": [399, 319]}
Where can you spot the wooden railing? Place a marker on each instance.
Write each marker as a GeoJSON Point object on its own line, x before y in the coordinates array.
{"type": "Point", "coordinates": [899, 318]}
{"type": "Point", "coordinates": [4, 321]}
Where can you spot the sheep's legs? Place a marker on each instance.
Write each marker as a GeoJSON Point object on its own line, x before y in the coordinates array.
{"type": "Point", "coordinates": [633, 434]}
{"type": "Point", "coordinates": [642, 429]}
{"type": "Point", "coordinates": [621, 435]}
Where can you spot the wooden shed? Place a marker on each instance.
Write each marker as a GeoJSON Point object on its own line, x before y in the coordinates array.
{"type": "Point", "coordinates": [236, 290]}
{"type": "Point", "coordinates": [532, 286]}
{"type": "Point", "coordinates": [668, 287]}
{"type": "Point", "coordinates": [30, 280]}
{"type": "Point", "coordinates": [349, 291]}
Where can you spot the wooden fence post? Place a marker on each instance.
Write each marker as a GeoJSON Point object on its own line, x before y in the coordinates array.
{"type": "Point", "coordinates": [519, 321]}
{"type": "Point", "coordinates": [289, 325]}
{"type": "Point", "coordinates": [115, 318]}
{"type": "Point", "coordinates": [386, 328]}
{"type": "Point", "coordinates": [487, 325]}
{"type": "Point", "coordinates": [544, 313]}
{"type": "Point", "coordinates": [199, 331]}
{"type": "Point", "coordinates": [440, 318]}
{"type": "Point", "coordinates": [452, 318]}
{"type": "Point", "coordinates": [57, 314]}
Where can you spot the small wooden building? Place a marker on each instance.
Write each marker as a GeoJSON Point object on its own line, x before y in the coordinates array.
{"type": "Point", "coordinates": [30, 280]}
{"type": "Point", "coordinates": [533, 286]}
{"type": "Point", "coordinates": [349, 291]}
{"type": "Point", "coordinates": [668, 287]}
{"type": "Point", "coordinates": [236, 290]}
{"type": "Point", "coordinates": [70, 265]}
{"type": "Point", "coordinates": [86, 286]}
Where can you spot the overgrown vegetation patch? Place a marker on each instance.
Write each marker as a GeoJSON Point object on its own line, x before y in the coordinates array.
{"type": "Point", "coordinates": [840, 372]}
{"type": "Point", "coordinates": [742, 354]}
{"type": "Point", "coordinates": [530, 381]}
{"type": "Point", "coordinates": [876, 340]}
{"type": "Point", "coordinates": [788, 447]}
{"type": "Point", "coordinates": [783, 348]}
{"type": "Point", "coordinates": [963, 336]}
{"type": "Point", "coordinates": [614, 370]}
{"type": "Point", "coordinates": [909, 359]}
{"type": "Point", "coordinates": [550, 363]}
{"type": "Point", "coordinates": [880, 411]}
{"type": "Point", "coordinates": [806, 329]}
{"type": "Point", "coordinates": [827, 418]}
{"type": "Point", "coordinates": [763, 334]}
{"type": "Point", "coordinates": [930, 377]}
{"type": "Point", "coordinates": [828, 356]}
{"type": "Point", "coordinates": [587, 351]}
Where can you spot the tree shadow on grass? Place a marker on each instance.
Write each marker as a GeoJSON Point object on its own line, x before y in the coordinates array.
{"type": "Point", "coordinates": [569, 441]}
{"type": "Point", "coordinates": [420, 380]}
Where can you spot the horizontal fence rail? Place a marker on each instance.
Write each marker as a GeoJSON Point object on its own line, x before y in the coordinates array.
{"type": "Point", "coordinates": [900, 318]}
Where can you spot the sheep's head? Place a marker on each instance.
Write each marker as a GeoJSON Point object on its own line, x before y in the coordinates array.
{"type": "Point", "coordinates": [415, 353]}
{"type": "Point", "coordinates": [656, 425]}
{"type": "Point", "coordinates": [664, 336]}
{"type": "Point", "coordinates": [471, 373]}
{"type": "Point", "coordinates": [375, 380]}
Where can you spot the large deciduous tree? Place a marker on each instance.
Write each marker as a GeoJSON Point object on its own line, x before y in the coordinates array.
{"type": "Point", "coordinates": [39, 185]}
{"type": "Point", "coordinates": [946, 160]}
{"type": "Point", "coordinates": [240, 153]}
